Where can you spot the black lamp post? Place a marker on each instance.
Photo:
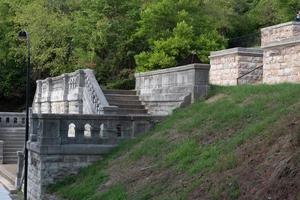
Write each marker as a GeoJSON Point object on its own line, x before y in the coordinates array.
{"type": "Point", "coordinates": [24, 36]}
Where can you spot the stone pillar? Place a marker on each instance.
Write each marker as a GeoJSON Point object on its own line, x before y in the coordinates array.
{"type": "Point", "coordinates": [230, 64]}
{"type": "Point", "coordinates": [81, 77]}
{"type": "Point", "coordinates": [37, 98]}
{"type": "Point", "coordinates": [1, 151]}
{"type": "Point", "coordinates": [47, 89]}
{"type": "Point", "coordinates": [281, 48]}
{"type": "Point", "coordinates": [20, 167]}
{"type": "Point", "coordinates": [65, 93]}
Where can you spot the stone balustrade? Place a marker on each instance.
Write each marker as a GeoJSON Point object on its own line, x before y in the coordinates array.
{"type": "Point", "coordinates": [11, 119]}
{"type": "Point", "coordinates": [161, 91]}
{"type": "Point", "coordinates": [73, 93]}
{"type": "Point", "coordinates": [61, 144]}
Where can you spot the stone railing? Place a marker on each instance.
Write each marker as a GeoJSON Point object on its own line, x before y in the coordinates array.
{"type": "Point", "coordinates": [87, 129]}
{"type": "Point", "coordinates": [10, 119]}
{"type": "Point", "coordinates": [254, 76]}
{"type": "Point", "coordinates": [162, 91]}
{"type": "Point", "coordinates": [73, 93]}
{"type": "Point", "coordinates": [62, 144]}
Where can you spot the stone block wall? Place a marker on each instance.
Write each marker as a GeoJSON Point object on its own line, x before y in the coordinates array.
{"type": "Point", "coordinates": [162, 91]}
{"type": "Point", "coordinates": [281, 46]}
{"type": "Point", "coordinates": [230, 64]}
{"type": "Point", "coordinates": [255, 76]}
{"type": "Point", "coordinates": [61, 144]}
{"type": "Point", "coordinates": [279, 32]}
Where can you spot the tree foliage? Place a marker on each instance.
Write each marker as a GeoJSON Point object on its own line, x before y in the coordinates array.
{"type": "Point", "coordinates": [117, 38]}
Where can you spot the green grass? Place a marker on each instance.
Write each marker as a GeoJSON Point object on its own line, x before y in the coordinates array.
{"type": "Point", "coordinates": [198, 140]}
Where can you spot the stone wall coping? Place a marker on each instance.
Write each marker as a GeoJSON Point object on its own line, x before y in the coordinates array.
{"type": "Point", "coordinates": [55, 78]}
{"type": "Point", "coordinates": [12, 113]}
{"type": "Point", "coordinates": [288, 41]}
{"type": "Point", "coordinates": [70, 149]}
{"type": "Point", "coordinates": [237, 50]}
{"type": "Point", "coordinates": [281, 25]}
{"type": "Point", "coordinates": [95, 117]}
{"type": "Point", "coordinates": [174, 69]}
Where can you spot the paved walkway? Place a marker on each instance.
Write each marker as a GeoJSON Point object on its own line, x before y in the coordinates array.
{"type": "Point", "coordinates": [4, 194]}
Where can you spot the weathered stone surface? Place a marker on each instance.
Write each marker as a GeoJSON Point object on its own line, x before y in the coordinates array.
{"type": "Point", "coordinates": [274, 34]}
{"type": "Point", "coordinates": [12, 119]}
{"type": "Point", "coordinates": [281, 46]}
{"type": "Point", "coordinates": [230, 64]}
{"type": "Point", "coordinates": [162, 91]}
{"type": "Point", "coordinates": [55, 153]}
{"type": "Point", "coordinates": [73, 93]}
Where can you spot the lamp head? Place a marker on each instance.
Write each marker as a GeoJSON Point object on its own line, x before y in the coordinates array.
{"type": "Point", "coordinates": [23, 36]}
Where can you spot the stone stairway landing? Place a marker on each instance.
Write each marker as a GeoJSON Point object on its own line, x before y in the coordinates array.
{"type": "Point", "coordinates": [127, 101]}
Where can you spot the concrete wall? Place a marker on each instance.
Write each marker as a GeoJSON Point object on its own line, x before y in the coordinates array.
{"type": "Point", "coordinates": [73, 93]}
{"type": "Point", "coordinates": [162, 91]}
{"type": "Point", "coordinates": [62, 144]}
{"type": "Point", "coordinates": [228, 65]}
{"type": "Point", "coordinates": [281, 46]}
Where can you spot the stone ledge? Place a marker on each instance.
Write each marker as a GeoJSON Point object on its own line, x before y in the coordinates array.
{"type": "Point", "coordinates": [96, 117]}
{"type": "Point", "coordinates": [12, 114]}
{"type": "Point", "coordinates": [173, 69]}
{"type": "Point", "coordinates": [257, 52]}
{"type": "Point", "coordinates": [280, 25]}
{"type": "Point", "coordinates": [289, 41]}
{"type": "Point", "coordinates": [71, 149]}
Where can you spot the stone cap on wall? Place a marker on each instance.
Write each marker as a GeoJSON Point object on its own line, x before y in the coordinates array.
{"type": "Point", "coordinates": [281, 25]}
{"type": "Point", "coordinates": [257, 52]}
{"type": "Point", "coordinates": [284, 42]}
{"type": "Point", "coordinates": [277, 34]}
{"type": "Point", "coordinates": [174, 69]}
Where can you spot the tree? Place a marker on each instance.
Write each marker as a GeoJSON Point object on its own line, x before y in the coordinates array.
{"type": "Point", "coordinates": [175, 29]}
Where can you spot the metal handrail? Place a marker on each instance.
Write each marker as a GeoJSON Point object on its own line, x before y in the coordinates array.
{"type": "Point", "coordinates": [237, 80]}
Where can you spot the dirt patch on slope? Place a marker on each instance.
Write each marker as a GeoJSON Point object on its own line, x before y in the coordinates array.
{"type": "Point", "coordinates": [269, 168]}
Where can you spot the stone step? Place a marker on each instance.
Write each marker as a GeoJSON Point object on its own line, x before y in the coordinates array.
{"type": "Point", "coordinates": [118, 97]}
{"type": "Point", "coordinates": [121, 92]}
{"type": "Point", "coordinates": [7, 185]}
{"type": "Point", "coordinates": [13, 142]}
{"type": "Point", "coordinates": [9, 154]}
{"type": "Point", "coordinates": [7, 174]}
{"type": "Point", "coordinates": [119, 102]}
{"type": "Point", "coordinates": [124, 111]}
{"type": "Point", "coordinates": [130, 106]}
{"type": "Point", "coordinates": [10, 159]}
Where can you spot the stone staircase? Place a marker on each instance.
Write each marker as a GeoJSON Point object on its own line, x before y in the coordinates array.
{"type": "Point", "coordinates": [8, 176]}
{"type": "Point", "coordinates": [127, 101]}
{"type": "Point", "coordinates": [13, 141]}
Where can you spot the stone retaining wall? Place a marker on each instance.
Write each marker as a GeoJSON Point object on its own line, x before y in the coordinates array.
{"type": "Point", "coordinates": [162, 91]}
{"type": "Point", "coordinates": [281, 46]}
{"type": "Point", "coordinates": [228, 65]}
{"type": "Point", "coordinates": [62, 144]}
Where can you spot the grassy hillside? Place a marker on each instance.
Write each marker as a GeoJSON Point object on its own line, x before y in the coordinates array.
{"type": "Point", "coordinates": [241, 143]}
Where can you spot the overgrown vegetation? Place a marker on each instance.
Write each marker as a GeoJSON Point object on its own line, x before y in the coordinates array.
{"type": "Point", "coordinates": [121, 37]}
{"type": "Point", "coordinates": [241, 143]}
